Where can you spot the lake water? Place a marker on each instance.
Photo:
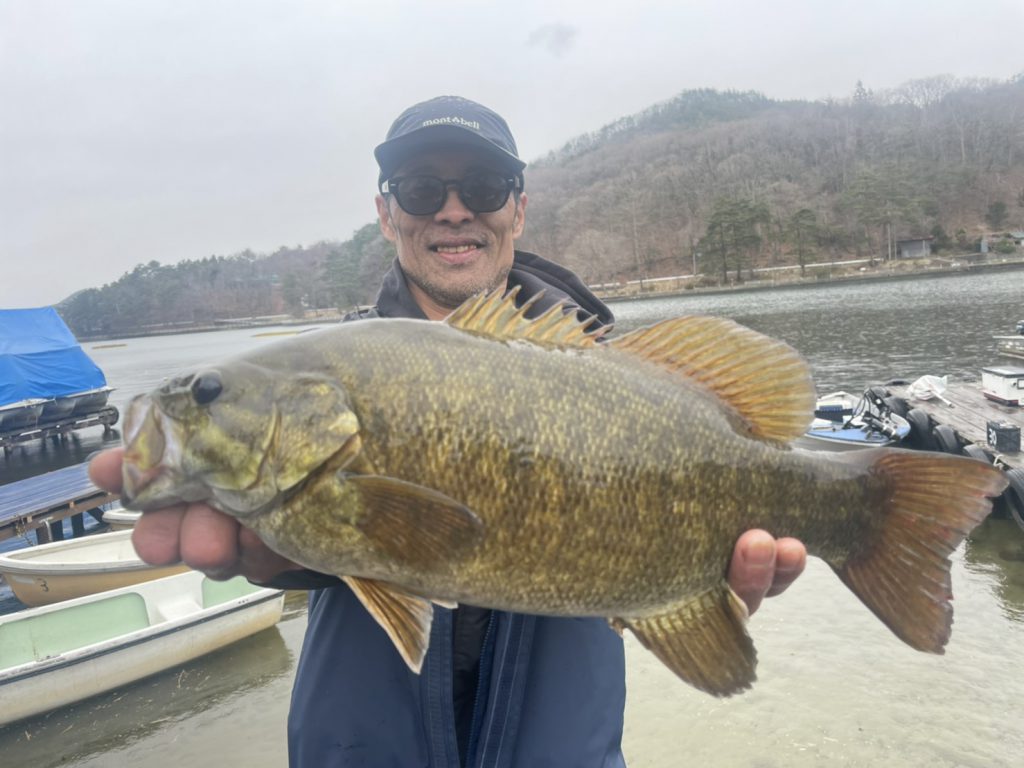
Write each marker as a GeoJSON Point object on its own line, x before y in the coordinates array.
{"type": "Point", "coordinates": [835, 687]}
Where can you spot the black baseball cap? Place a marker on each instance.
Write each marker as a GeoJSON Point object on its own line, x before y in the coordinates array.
{"type": "Point", "coordinates": [447, 121]}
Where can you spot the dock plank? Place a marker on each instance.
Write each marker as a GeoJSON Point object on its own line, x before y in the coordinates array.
{"type": "Point", "coordinates": [37, 501]}
{"type": "Point", "coordinates": [969, 412]}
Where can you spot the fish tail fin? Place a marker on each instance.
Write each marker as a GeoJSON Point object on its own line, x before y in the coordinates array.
{"type": "Point", "coordinates": [930, 503]}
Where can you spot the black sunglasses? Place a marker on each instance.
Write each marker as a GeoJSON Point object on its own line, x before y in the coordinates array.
{"type": "Point", "coordinates": [481, 192]}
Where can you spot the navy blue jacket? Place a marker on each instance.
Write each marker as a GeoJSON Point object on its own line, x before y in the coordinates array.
{"type": "Point", "coordinates": [550, 691]}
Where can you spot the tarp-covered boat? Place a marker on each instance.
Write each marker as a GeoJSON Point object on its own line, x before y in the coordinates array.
{"type": "Point", "coordinates": [46, 378]}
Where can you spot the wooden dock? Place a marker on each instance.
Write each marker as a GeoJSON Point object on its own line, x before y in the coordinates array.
{"type": "Point", "coordinates": [968, 412]}
{"type": "Point", "coordinates": [42, 503]}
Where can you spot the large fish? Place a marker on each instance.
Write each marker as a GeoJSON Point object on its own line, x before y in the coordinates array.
{"type": "Point", "coordinates": [518, 464]}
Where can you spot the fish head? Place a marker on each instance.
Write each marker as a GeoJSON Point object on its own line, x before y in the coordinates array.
{"type": "Point", "coordinates": [238, 436]}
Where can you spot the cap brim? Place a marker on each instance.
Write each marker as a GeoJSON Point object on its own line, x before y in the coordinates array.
{"type": "Point", "coordinates": [392, 154]}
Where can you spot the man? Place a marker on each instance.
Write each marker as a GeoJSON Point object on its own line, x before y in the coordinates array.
{"type": "Point", "coordinates": [496, 689]}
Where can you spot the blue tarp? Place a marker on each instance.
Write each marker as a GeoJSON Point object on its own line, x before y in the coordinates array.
{"type": "Point", "coordinates": [39, 357]}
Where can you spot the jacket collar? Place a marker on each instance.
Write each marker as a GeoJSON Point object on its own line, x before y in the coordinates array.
{"type": "Point", "coordinates": [529, 271]}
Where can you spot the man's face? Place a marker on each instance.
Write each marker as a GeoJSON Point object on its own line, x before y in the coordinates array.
{"type": "Point", "coordinates": [455, 253]}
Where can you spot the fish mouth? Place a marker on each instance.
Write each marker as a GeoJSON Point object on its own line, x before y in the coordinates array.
{"type": "Point", "coordinates": [152, 453]}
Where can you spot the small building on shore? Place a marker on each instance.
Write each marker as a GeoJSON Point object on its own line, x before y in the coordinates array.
{"type": "Point", "coordinates": [914, 248]}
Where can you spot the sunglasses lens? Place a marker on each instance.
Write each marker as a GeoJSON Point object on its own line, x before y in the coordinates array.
{"type": "Point", "coordinates": [423, 195]}
{"type": "Point", "coordinates": [420, 195]}
{"type": "Point", "coordinates": [485, 192]}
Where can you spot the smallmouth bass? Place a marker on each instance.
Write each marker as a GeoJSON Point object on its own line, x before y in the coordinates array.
{"type": "Point", "coordinates": [519, 464]}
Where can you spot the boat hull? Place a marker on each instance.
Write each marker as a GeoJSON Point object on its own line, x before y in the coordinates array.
{"type": "Point", "coordinates": [65, 570]}
{"type": "Point", "coordinates": [121, 519]}
{"type": "Point", "coordinates": [20, 415]}
{"type": "Point", "coordinates": [130, 633]}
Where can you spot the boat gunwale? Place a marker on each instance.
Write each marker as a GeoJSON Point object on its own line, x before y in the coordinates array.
{"type": "Point", "coordinates": [29, 562]}
{"type": "Point", "coordinates": [118, 643]}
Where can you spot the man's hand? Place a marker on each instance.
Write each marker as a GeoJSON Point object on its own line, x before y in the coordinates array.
{"type": "Point", "coordinates": [195, 534]}
{"type": "Point", "coordinates": [763, 567]}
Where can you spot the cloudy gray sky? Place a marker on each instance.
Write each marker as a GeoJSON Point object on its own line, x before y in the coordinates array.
{"type": "Point", "coordinates": [134, 130]}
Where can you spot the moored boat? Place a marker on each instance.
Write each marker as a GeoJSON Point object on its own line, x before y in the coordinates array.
{"type": "Point", "coordinates": [844, 422]}
{"type": "Point", "coordinates": [1012, 346]}
{"type": "Point", "coordinates": [121, 519]}
{"type": "Point", "coordinates": [49, 386]}
{"type": "Point", "coordinates": [58, 654]}
{"type": "Point", "coordinates": [64, 570]}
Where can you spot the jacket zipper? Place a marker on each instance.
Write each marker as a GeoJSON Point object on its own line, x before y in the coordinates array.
{"type": "Point", "coordinates": [479, 697]}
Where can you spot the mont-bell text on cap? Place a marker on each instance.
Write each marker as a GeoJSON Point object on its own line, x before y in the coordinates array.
{"type": "Point", "coordinates": [452, 120]}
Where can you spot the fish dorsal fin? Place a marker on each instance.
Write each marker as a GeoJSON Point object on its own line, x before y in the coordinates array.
{"type": "Point", "coordinates": [703, 640]}
{"type": "Point", "coordinates": [406, 618]}
{"type": "Point", "coordinates": [766, 382]}
{"type": "Point", "coordinates": [497, 316]}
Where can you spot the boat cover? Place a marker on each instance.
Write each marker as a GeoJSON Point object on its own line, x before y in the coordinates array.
{"type": "Point", "coordinates": [40, 358]}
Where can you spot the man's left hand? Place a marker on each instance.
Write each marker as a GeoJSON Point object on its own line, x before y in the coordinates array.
{"type": "Point", "coordinates": [763, 567]}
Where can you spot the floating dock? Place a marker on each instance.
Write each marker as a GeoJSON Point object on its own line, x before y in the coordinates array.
{"type": "Point", "coordinates": [964, 408]}
{"type": "Point", "coordinates": [41, 503]}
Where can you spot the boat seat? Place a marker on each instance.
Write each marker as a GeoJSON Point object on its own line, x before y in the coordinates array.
{"type": "Point", "coordinates": [178, 607]}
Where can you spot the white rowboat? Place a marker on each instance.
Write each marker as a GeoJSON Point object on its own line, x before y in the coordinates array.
{"type": "Point", "coordinates": [63, 653]}
{"type": "Point", "coordinates": [63, 570]}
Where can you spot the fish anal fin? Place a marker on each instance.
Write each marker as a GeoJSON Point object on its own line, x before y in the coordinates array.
{"type": "Point", "coordinates": [765, 381]}
{"type": "Point", "coordinates": [414, 525]}
{"type": "Point", "coordinates": [703, 640]}
{"type": "Point", "coordinates": [404, 617]}
{"type": "Point", "coordinates": [928, 504]}
{"type": "Point", "coordinates": [496, 316]}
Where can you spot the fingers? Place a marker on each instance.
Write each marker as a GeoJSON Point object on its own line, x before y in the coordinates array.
{"type": "Point", "coordinates": [206, 540]}
{"type": "Point", "coordinates": [790, 561]}
{"type": "Point", "coordinates": [156, 534]}
{"type": "Point", "coordinates": [105, 469]}
{"type": "Point", "coordinates": [209, 541]}
{"type": "Point", "coordinates": [753, 567]}
{"type": "Point", "coordinates": [763, 567]}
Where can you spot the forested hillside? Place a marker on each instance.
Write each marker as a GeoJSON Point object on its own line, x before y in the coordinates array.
{"type": "Point", "coordinates": [724, 180]}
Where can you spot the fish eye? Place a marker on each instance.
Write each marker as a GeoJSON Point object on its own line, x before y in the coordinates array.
{"type": "Point", "coordinates": [206, 388]}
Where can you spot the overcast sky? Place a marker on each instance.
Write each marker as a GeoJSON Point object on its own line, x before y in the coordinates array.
{"type": "Point", "coordinates": [138, 130]}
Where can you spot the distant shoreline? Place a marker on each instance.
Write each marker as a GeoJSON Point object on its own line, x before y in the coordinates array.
{"type": "Point", "coordinates": [858, 278]}
{"type": "Point", "coordinates": [750, 286]}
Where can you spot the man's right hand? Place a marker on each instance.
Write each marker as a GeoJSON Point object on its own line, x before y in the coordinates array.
{"type": "Point", "coordinates": [195, 534]}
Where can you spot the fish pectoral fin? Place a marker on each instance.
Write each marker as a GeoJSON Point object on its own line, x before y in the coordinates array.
{"type": "Point", "coordinates": [404, 617]}
{"type": "Point", "coordinates": [704, 641]}
{"type": "Point", "coordinates": [415, 525]}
